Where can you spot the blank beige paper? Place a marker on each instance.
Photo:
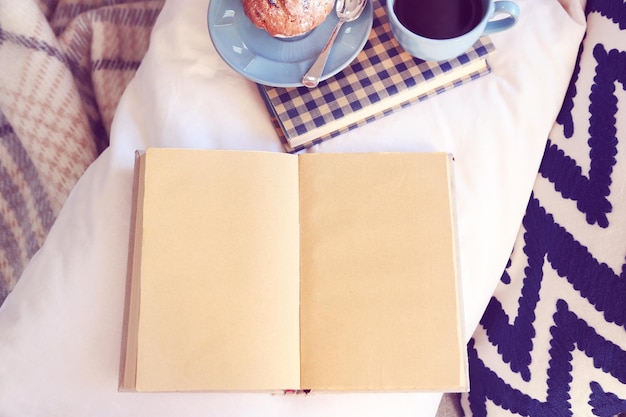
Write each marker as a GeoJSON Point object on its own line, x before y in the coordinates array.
{"type": "Point", "coordinates": [378, 283]}
{"type": "Point", "coordinates": [257, 271]}
{"type": "Point", "coordinates": [218, 271]}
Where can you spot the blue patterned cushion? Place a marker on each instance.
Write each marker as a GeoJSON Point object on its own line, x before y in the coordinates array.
{"type": "Point", "coordinates": [552, 341]}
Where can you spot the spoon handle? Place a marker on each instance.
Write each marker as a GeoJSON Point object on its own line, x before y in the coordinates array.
{"type": "Point", "coordinates": [312, 77]}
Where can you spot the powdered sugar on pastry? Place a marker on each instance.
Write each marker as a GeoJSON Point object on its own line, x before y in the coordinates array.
{"type": "Point", "coordinates": [287, 18]}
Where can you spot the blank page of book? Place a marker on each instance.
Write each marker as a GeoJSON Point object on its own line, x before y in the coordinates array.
{"type": "Point", "coordinates": [379, 305]}
{"type": "Point", "coordinates": [219, 272]}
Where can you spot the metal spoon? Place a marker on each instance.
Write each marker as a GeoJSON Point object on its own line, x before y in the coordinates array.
{"type": "Point", "coordinates": [347, 11]}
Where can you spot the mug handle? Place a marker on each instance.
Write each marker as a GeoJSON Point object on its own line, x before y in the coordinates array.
{"type": "Point", "coordinates": [505, 7]}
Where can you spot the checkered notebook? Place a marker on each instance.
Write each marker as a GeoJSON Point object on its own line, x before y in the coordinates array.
{"type": "Point", "coordinates": [381, 79]}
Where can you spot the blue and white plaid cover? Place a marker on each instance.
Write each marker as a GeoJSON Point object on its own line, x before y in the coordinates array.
{"type": "Point", "coordinates": [381, 70]}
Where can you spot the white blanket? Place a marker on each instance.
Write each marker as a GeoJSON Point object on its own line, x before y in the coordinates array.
{"type": "Point", "coordinates": [60, 329]}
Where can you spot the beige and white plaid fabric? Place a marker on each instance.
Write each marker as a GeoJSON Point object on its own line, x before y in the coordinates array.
{"type": "Point", "coordinates": [63, 67]}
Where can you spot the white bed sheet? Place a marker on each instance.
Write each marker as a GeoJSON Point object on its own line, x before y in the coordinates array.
{"type": "Point", "coordinates": [60, 330]}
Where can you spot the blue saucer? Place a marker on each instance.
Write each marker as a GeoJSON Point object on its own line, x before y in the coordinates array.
{"type": "Point", "coordinates": [264, 59]}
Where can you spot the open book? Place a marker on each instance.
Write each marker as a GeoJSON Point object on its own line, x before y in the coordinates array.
{"type": "Point", "coordinates": [267, 271]}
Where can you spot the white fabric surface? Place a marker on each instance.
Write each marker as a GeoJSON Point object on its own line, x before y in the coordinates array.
{"type": "Point", "coordinates": [60, 330]}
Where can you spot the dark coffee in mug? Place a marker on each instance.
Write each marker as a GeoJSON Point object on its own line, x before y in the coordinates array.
{"type": "Point", "coordinates": [439, 19]}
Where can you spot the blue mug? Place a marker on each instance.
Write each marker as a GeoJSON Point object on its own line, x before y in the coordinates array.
{"type": "Point", "coordinates": [438, 49]}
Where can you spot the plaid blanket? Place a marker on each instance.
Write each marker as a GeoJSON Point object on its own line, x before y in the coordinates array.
{"type": "Point", "coordinates": [64, 65]}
